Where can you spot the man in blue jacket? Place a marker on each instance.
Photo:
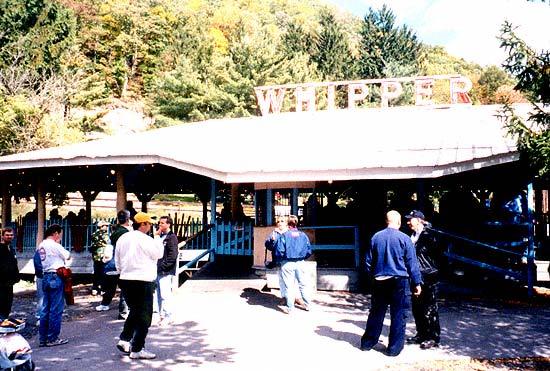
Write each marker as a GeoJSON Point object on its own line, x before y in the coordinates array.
{"type": "Point", "coordinates": [292, 250]}
{"type": "Point", "coordinates": [390, 262]}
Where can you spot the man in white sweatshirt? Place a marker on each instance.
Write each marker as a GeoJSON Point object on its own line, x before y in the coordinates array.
{"type": "Point", "coordinates": [136, 257]}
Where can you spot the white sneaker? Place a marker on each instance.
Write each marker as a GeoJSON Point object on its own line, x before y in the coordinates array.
{"type": "Point", "coordinates": [124, 346]}
{"type": "Point", "coordinates": [102, 308]}
{"type": "Point", "coordinates": [142, 354]}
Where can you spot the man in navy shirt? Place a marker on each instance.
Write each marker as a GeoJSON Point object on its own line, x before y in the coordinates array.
{"type": "Point", "coordinates": [390, 263]}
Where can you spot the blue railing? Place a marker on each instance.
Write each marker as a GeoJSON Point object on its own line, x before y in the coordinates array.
{"type": "Point", "coordinates": [337, 238]}
{"type": "Point", "coordinates": [76, 237]}
{"type": "Point", "coordinates": [508, 258]}
{"type": "Point", "coordinates": [234, 238]}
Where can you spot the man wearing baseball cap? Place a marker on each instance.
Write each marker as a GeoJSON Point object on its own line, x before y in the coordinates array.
{"type": "Point", "coordinates": [136, 257]}
{"type": "Point", "coordinates": [424, 306]}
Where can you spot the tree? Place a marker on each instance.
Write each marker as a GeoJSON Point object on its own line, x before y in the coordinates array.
{"type": "Point", "coordinates": [34, 79]}
{"type": "Point", "coordinates": [532, 71]}
{"type": "Point", "coordinates": [331, 51]}
{"type": "Point", "coordinates": [491, 79]}
{"type": "Point", "coordinates": [382, 43]}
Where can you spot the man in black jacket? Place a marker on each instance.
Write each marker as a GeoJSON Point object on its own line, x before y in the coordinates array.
{"type": "Point", "coordinates": [9, 273]}
{"type": "Point", "coordinates": [424, 306]}
{"type": "Point", "coordinates": [111, 275]}
{"type": "Point", "coordinates": [166, 270]}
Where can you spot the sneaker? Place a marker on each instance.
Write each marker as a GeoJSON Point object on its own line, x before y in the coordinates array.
{"type": "Point", "coordinates": [414, 340]}
{"type": "Point", "coordinates": [428, 344]}
{"type": "Point", "coordinates": [41, 344]}
{"type": "Point", "coordinates": [102, 308]}
{"type": "Point", "coordinates": [124, 346]}
{"type": "Point", "coordinates": [142, 354]}
{"type": "Point", "coordinates": [122, 316]}
{"type": "Point", "coordinates": [57, 342]}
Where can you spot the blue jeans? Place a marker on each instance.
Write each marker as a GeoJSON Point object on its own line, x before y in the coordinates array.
{"type": "Point", "coordinates": [163, 296]}
{"type": "Point", "coordinates": [39, 297]}
{"type": "Point", "coordinates": [52, 308]}
{"type": "Point", "coordinates": [291, 272]}
{"type": "Point", "coordinates": [395, 293]}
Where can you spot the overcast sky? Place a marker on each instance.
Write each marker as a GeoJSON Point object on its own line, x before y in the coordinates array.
{"type": "Point", "coordinates": [466, 28]}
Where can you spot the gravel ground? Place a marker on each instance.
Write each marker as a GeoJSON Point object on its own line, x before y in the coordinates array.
{"type": "Point", "coordinates": [24, 307]}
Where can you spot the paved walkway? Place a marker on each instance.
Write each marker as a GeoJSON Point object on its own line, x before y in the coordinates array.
{"type": "Point", "coordinates": [231, 324]}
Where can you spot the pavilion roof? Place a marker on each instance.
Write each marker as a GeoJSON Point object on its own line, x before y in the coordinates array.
{"type": "Point", "coordinates": [373, 143]}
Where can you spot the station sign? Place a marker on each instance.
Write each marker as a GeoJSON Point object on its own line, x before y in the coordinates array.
{"type": "Point", "coordinates": [270, 98]}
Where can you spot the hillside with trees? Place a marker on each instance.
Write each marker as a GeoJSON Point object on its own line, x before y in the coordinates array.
{"type": "Point", "coordinates": [67, 67]}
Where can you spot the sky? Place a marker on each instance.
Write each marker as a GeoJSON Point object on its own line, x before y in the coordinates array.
{"type": "Point", "coordinates": [466, 28]}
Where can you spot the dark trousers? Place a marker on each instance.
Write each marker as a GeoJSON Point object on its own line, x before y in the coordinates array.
{"type": "Point", "coordinates": [110, 283]}
{"type": "Point", "coordinates": [139, 297]}
{"type": "Point", "coordinates": [6, 300]}
{"type": "Point", "coordinates": [99, 268]}
{"type": "Point", "coordinates": [395, 293]}
{"type": "Point", "coordinates": [426, 313]}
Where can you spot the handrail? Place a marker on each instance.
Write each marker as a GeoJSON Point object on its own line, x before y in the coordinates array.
{"type": "Point", "coordinates": [521, 275]}
{"type": "Point", "coordinates": [188, 265]}
{"type": "Point", "coordinates": [474, 242]}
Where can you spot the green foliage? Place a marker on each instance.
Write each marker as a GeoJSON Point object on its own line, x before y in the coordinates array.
{"type": "Point", "coordinates": [35, 33]}
{"type": "Point", "coordinates": [191, 60]}
{"type": "Point", "coordinates": [382, 42]}
{"type": "Point", "coordinates": [331, 50]}
{"type": "Point", "coordinates": [490, 81]}
{"type": "Point", "coordinates": [532, 71]}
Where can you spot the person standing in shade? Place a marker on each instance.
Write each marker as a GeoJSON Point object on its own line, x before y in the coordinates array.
{"type": "Point", "coordinates": [424, 306]}
{"type": "Point", "coordinates": [111, 275]}
{"type": "Point", "coordinates": [292, 250]}
{"type": "Point", "coordinates": [391, 264]}
{"type": "Point", "coordinates": [53, 256]}
{"type": "Point", "coordinates": [166, 270]}
{"type": "Point", "coordinates": [99, 241]}
{"type": "Point", "coordinates": [136, 257]}
{"type": "Point", "coordinates": [9, 273]}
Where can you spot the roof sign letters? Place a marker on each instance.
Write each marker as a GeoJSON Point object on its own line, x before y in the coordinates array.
{"type": "Point", "coordinates": [270, 98]}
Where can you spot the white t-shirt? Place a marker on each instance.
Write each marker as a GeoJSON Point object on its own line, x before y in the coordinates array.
{"type": "Point", "coordinates": [52, 255]}
{"type": "Point", "coordinates": [136, 256]}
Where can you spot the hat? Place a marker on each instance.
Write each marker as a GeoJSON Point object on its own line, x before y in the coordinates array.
{"type": "Point", "coordinates": [142, 217]}
{"type": "Point", "coordinates": [102, 223]}
{"type": "Point", "coordinates": [416, 214]}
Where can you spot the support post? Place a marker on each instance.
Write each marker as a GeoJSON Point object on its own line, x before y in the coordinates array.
{"type": "Point", "coordinates": [531, 268]}
{"type": "Point", "coordinates": [214, 231]}
{"type": "Point", "coordinates": [120, 189]}
{"type": "Point", "coordinates": [6, 203]}
{"type": "Point", "coordinates": [40, 210]}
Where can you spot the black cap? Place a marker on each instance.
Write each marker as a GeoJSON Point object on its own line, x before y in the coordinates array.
{"type": "Point", "coordinates": [416, 214]}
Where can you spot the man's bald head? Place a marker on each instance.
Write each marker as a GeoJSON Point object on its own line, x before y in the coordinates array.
{"type": "Point", "coordinates": [393, 219]}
